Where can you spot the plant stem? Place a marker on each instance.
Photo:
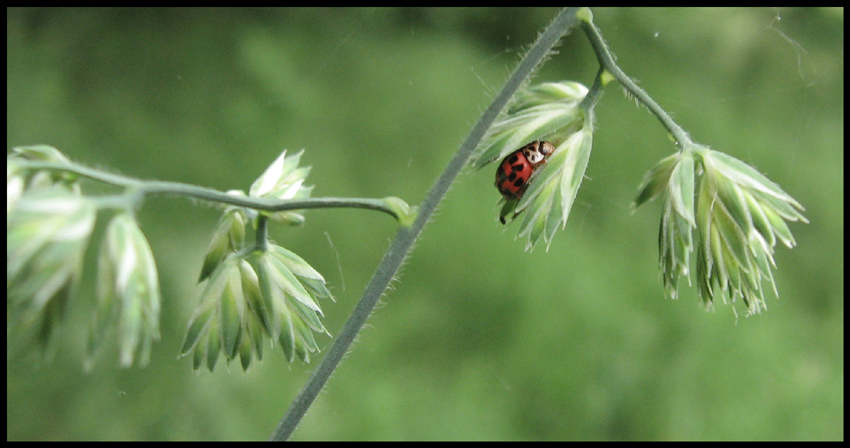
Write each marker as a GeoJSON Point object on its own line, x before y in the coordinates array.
{"type": "Point", "coordinates": [262, 238]}
{"type": "Point", "coordinates": [606, 60]}
{"type": "Point", "coordinates": [595, 92]}
{"type": "Point", "coordinates": [406, 236]}
{"type": "Point", "coordinates": [208, 194]}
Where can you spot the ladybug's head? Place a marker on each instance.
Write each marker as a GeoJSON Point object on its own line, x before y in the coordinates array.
{"type": "Point", "coordinates": [537, 152]}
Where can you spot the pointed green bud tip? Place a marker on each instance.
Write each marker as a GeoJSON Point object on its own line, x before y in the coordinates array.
{"type": "Point", "coordinates": [404, 213]}
{"type": "Point", "coordinates": [655, 181]}
{"type": "Point", "coordinates": [283, 179]}
{"type": "Point", "coordinates": [229, 237]}
{"type": "Point", "coordinates": [41, 153]}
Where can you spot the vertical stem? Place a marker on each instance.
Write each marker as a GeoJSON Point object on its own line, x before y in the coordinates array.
{"type": "Point", "coordinates": [262, 238]}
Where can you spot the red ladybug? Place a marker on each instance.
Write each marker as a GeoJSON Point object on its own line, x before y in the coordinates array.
{"type": "Point", "coordinates": [515, 170]}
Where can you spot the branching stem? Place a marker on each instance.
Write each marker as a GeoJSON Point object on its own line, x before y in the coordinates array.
{"type": "Point", "coordinates": [179, 189]}
{"type": "Point", "coordinates": [406, 236]}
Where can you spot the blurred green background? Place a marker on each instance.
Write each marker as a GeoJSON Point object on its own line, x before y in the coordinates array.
{"type": "Point", "coordinates": [477, 339]}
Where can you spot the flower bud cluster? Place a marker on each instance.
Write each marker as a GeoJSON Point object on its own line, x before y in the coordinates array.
{"type": "Point", "coordinates": [259, 291]}
{"type": "Point", "coordinates": [553, 112]}
{"type": "Point", "coordinates": [739, 216]}
{"type": "Point", "coordinates": [49, 227]}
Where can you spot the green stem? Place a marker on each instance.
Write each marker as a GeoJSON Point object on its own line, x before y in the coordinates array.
{"type": "Point", "coordinates": [207, 194]}
{"type": "Point", "coordinates": [262, 238]}
{"type": "Point", "coordinates": [606, 60]}
{"type": "Point", "coordinates": [594, 93]}
{"type": "Point", "coordinates": [406, 236]}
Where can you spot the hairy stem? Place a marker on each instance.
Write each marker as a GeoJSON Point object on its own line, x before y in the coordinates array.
{"type": "Point", "coordinates": [406, 236]}
{"type": "Point", "coordinates": [208, 194]}
{"type": "Point", "coordinates": [606, 60]}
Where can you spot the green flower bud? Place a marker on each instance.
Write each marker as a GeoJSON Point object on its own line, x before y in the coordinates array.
{"type": "Point", "coordinates": [229, 237]}
{"type": "Point", "coordinates": [46, 237]}
{"type": "Point", "coordinates": [283, 179]}
{"type": "Point", "coordinates": [274, 295]}
{"type": "Point", "coordinates": [290, 286]}
{"type": "Point", "coordinates": [219, 319]}
{"type": "Point", "coordinates": [741, 214]}
{"type": "Point", "coordinates": [566, 92]}
{"type": "Point", "coordinates": [552, 190]}
{"type": "Point", "coordinates": [656, 180]}
{"type": "Point", "coordinates": [257, 324]}
{"type": "Point", "coordinates": [552, 112]}
{"type": "Point", "coordinates": [674, 176]}
{"type": "Point", "coordinates": [41, 153]}
{"type": "Point", "coordinates": [15, 186]}
{"type": "Point", "coordinates": [127, 291]}
{"type": "Point", "coordinates": [291, 217]}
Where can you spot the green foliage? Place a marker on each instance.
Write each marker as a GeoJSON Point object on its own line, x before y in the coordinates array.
{"type": "Point", "coordinates": [485, 342]}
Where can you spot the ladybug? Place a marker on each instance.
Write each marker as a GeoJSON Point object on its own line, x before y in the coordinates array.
{"type": "Point", "coordinates": [515, 170]}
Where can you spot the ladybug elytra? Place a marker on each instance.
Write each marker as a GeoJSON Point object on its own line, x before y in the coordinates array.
{"type": "Point", "coordinates": [515, 170]}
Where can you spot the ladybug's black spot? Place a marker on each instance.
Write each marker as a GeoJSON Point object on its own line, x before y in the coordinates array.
{"type": "Point", "coordinates": [518, 182]}
{"type": "Point", "coordinates": [517, 167]}
{"type": "Point", "coordinates": [511, 177]}
{"type": "Point", "coordinates": [512, 159]}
